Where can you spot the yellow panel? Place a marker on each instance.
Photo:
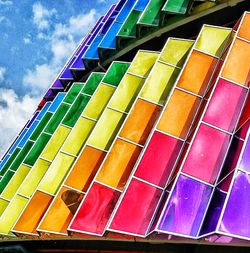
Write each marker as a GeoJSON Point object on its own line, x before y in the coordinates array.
{"type": "Point", "coordinates": [33, 178]}
{"type": "Point", "coordinates": [15, 182]}
{"type": "Point", "coordinates": [56, 173]}
{"type": "Point", "coordinates": [126, 93]}
{"type": "Point", "coordinates": [78, 136]}
{"type": "Point", "coordinates": [143, 62]}
{"type": "Point", "coordinates": [159, 83]}
{"type": "Point", "coordinates": [3, 204]}
{"type": "Point", "coordinates": [11, 213]}
{"type": "Point", "coordinates": [98, 102]}
{"type": "Point", "coordinates": [175, 51]}
{"type": "Point", "coordinates": [106, 129]}
{"type": "Point", "coordinates": [55, 142]}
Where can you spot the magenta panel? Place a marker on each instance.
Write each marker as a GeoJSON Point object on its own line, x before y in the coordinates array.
{"type": "Point", "coordinates": [95, 210]}
{"type": "Point", "coordinates": [206, 154]}
{"type": "Point", "coordinates": [158, 159]}
{"type": "Point", "coordinates": [136, 209]}
{"type": "Point", "coordinates": [225, 105]}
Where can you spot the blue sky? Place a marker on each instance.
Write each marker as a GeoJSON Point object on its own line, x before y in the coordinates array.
{"type": "Point", "coordinates": [37, 37]}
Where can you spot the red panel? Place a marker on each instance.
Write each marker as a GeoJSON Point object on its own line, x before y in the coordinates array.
{"type": "Point", "coordinates": [95, 210]}
{"type": "Point", "coordinates": [158, 159]}
{"type": "Point", "coordinates": [136, 209]}
{"type": "Point", "coordinates": [225, 105]}
{"type": "Point", "coordinates": [245, 115]}
{"type": "Point", "coordinates": [242, 132]}
{"type": "Point", "coordinates": [206, 154]}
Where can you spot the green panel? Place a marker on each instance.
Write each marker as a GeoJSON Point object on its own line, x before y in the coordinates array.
{"type": "Point", "coordinates": [73, 92]}
{"type": "Point", "coordinates": [76, 110]}
{"type": "Point", "coordinates": [37, 149]}
{"type": "Point", "coordinates": [116, 73]}
{"type": "Point", "coordinates": [175, 51]}
{"type": "Point", "coordinates": [22, 155]}
{"type": "Point", "coordinates": [129, 27]}
{"type": "Point", "coordinates": [41, 126]}
{"type": "Point", "coordinates": [57, 118]}
{"type": "Point", "coordinates": [10, 160]}
{"type": "Point", "coordinates": [151, 15]}
{"type": "Point", "coordinates": [5, 180]}
{"type": "Point", "coordinates": [212, 40]}
{"type": "Point", "coordinates": [176, 6]}
{"type": "Point", "coordinates": [92, 83]}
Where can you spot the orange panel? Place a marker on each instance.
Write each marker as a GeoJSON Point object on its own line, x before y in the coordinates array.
{"type": "Point", "coordinates": [85, 168]}
{"type": "Point", "coordinates": [197, 73]}
{"type": "Point", "coordinates": [30, 218]}
{"type": "Point", "coordinates": [179, 114]}
{"type": "Point", "coordinates": [61, 211]}
{"type": "Point", "coordinates": [119, 164]}
{"type": "Point", "coordinates": [237, 67]}
{"type": "Point", "coordinates": [244, 31]}
{"type": "Point", "coordinates": [140, 122]}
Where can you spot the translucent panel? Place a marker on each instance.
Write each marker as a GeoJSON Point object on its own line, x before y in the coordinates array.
{"type": "Point", "coordinates": [159, 83]}
{"type": "Point", "coordinates": [87, 165]}
{"type": "Point", "coordinates": [158, 159]}
{"type": "Point", "coordinates": [176, 6]}
{"type": "Point", "coordinates": [179, 114]}
{"type": "Point", "coordinates": [197, 73]}
{"type": "Point", "coordinates": [59, 214]}
{"type": "Point", "coordinates": [126, 93]}
{"type": "Point", "coordinates": [236, 217]}
{"type": "Point", "coordinates": [244, 162]}
{"type": "Point", "coordinates": [76, 110]}
{"type": "Point", "coordinates": [5, 179]}
{"type": "Point", "coordinates": [141, 5]}
{"type": "Point", "coordinates": [3, 205]}
{"type": "Point", "coordinates": [206, 154]}
{"type": "Point", "coordinates": [94, 212]}
{"type": "Point", "coordinates": [143, 62]}
{"type": "Point", "coordinates": [238, 61]}
{"type": "Point", "coordinates": [175, 51]}
{"type": "Point", "coordinates": [106, 129]}
{"type": "Point", "coordinates": [244, 31]}
{"type": "Point", "coordinates": [136, 209]}
{"type": "Point", "coordinates": [92, 83]}
{"type": "Point", "coordinates": [15, 182]}
{"type": "Point", "coordinates": [99, 101]}
{"type": "Point", "coordinates": [78, 136]}
{"type": "Point", "coordinates": [56, 173]}
{"type": "Point", "coordinates": [10, 160]}
{"type": "Point", "coordinates": [55, 143]}
{"type": "Point", "coordinates": [213, 40]}
{"type": "Point", "coordinates": [225, 105]}
{"type": "Point", "coordinates": [56, 102]}
{"type": "Point", "coordinates": [37, 149]}
{"type": "Point", "coordinates": [11, 213]}
{"type": "Point", "coordinates": [186, 207]}
{"type": "Point", "coordinates": [119, 164]}
{"type": "Point", "coordinates": [140, 121]}
{"type": "Point", "coordinates": [125, 10]}
{"type": "Point", "coordinates": [47, 105]}
{"type": "Point", "coordinates": [33, 178]}
{"type": "Point", "coordinates": [115, 73]}
{"type": "Point", "coordinates": [73, 92]}
{"type": "Point", "coordinates": [36, 207]}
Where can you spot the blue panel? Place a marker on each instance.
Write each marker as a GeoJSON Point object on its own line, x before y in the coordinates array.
{"type": "Point", "coordinates": [120, 4]}
{"type": "Point", "coordinates": [141, 5]}
{"type": "Point", "coordinates": [92, 52]}
{"type": "Point", "coordinates": [125, 11]}
{"type": "Point", "coordinates": [4, 161]}
{"type": "Point", "coordinates": [18, 140]}
{"type": "Point", "coordinates": [57, 101]}
{"type": "Point", "coordinates": [107, 25]}
{"type": "Point", "coordinates": [44, 110]}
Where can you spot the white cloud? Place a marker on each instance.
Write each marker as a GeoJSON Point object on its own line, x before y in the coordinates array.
{"type": "Point", "coordinates": [26, 40]}
{"type": "Point", "coordinates": [6, 2]}
{"type": "Point", "coordinates": [41, 15]}
{"type": "Point", "coordinates": [2, 73]}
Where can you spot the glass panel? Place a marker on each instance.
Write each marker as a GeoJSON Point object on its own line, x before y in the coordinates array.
{"type": "Point", "coordinates": [5, 179]}
{"type": "Point", "coordinates": [10, 160]}
{"type": "Point", "coordinates": [92, 83]}
{"type": "Point", "coordinates": [244, 162]}
{"type": "Point", "coordinates": [56, 102]}
{"type": "Point", "coordinates": [244, 31]}
{"type": "Point", "coordinates": [73, 92]}
{"type": "Point", "coordinates": [176, 6]}
{"type": "Point", "coordinates": [3, 205]}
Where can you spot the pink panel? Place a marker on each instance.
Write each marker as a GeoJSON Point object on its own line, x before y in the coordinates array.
{"type": "Point", "coordinates": [136, 209]}
{"type": "Point", "coordinates": [158, 159]}
{"type": "Point", "coordinates": [95, 210]}
{"type": "Point", "coordinates": [206, 154]}
{"type": "Point", "coordinates": [225, 105]}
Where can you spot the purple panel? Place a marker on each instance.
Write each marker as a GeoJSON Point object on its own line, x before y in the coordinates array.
{"type": "Point", "coordinates": [119, 5]}
{"type": "Point", "coordinates": [107, 25]}
{"type": "Point", "coordinates": [57, 84]}
{"type": "Point", "coordinates": [78, 64]}
{"type": "Point", "coordinates": [49, 93]}
{"type": "Point", "coordinates": [186, 207]}
{"type": "Point", "coordinates": [236, 218]}
{"type": "Point", "coordinates": [97, 23]}
{"type": "Point", "coordinates": [110, 11]}
{"type": "Point", "coordinates": [245, 160]}
{"type": "Point", "coordinates": [33, 118]}
{"type": "Point", "coordinates": [79, 50]}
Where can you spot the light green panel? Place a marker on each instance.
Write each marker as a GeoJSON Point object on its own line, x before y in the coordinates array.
{"type": "Point", "coordinates": [33, 178]}
{"type": "Point", "coordinates": [78, 136]}
{"type": "Point", "coordinates": [56, 173]}
{"type": "Point", "coordinates": [99, 101]}
{"type": "Point", "coordinates": [3, 205]}
{"type": "Point", "coordinates": [15, 182]}
{"type": "Point", "coordinates": [143, 62]}
{"type": "Point", "coordinates": [176, 6]}
{"type": "Point", "coordinates": [126, 93]}
{"type": "Point", "coordinates": [55, 142]}
{"type": "Point", "coordinates": [11, 213]}
{"type": "Point", "coordinates": [159, 83]}
{"type": "Point", "coordinates": [212, 40]}
{"type": "Point", "coordinates": [175, 51]}
{"type": "Point", "coordinates": [106, 129]}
